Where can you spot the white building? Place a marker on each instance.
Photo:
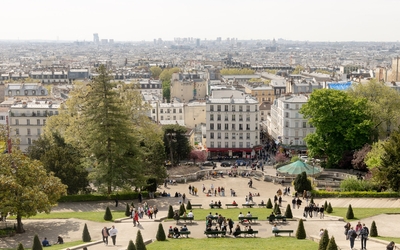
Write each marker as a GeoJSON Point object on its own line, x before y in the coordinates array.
{"type": "Point", "coordinates": [286, 124]}
{"type": "Point", "coordinates": [232, 124]}
{"type": "Point", "coordinates": [168, 113]}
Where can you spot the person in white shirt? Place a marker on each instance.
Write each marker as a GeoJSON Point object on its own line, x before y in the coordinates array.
{"type": "Point", "coordinates": [190, 214]}
{"type": "Point", "coordinates": [113, 234]}
{"type": "Point", "coordinates": [241, 215]}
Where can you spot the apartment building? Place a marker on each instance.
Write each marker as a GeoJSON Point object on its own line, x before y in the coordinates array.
{"type": "Point", "coordinates": [168, 113]}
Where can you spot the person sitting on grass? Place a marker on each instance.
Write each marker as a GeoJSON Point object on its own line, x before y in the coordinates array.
{"type": "Point", "coordinates": [60, 240]}
{"type": "Point", "coordinates": [45, 243]}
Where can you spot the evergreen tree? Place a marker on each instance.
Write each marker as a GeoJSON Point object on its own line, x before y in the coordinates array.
{"type": "Point", "coordinates": [332, 244]}
{"type": "Point", "coordinates": [325, 205]}
{"type": "Point", "coordinates": [139, 241]}
{"type": "Point", "coordinates": [269, 203]}
{"type": "Point", "coordinates": [20, 246]}
{"type": "Point", "coordinates": [189, 206]}
{"type": "Point", "coordinates": [160, 233]}
{"type": "Point", "coordinates": [374, 231]}
{"type": "Point", "coordinates": [170, 212]}
{"type": "Point", "coordinates": [329, 209]}
{"type": "Point", "coordinates": [86, 235]}
{"type": "Point", "coordinates": [127, 210]}
{"type": "Point", "coordinates": [288, 212]}
{"type": "Point", "coordinates": [37, 245]}
{"type": "Point", "coordinates": [277, 210]}
{"type": "Point", "coordinates": [131, 246]}
{"type": "Point", "coordinates": [182, 209]}
{"type": "Point", "coordinates": [108, 216]}
{"type": "Point", "coordinates": [324, 241]}
{"type": "Point", "coordinates": [301, 232]}
{"type": "Point", "coordinates": [350, 214]}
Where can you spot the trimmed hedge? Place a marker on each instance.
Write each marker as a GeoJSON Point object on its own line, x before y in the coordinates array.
{"type": "Point", "coordinates": [353, 194]}
{"type": "Point", "coordinates": [101, 197]}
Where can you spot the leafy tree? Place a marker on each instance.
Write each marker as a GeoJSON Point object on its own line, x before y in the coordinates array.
{"type": "Point", "coordinates": [329, 209]}
{"type": "Point", "coordinates": [349, 214]}
{"type": "Point", "coordinates": [280, 157]}
{"type": "Point", "coordinates": [302, 183]}
{"type": "Point", "coordinates": [36, 243]}
{"type": "Point", "coordinates": [374, 160]}
{"type": "Point", "coordinates": [390, 167]}
{"type": "Point", "coordinates": [298, 69]}
{"type": "Point", "coordinates": [23, 193]}
{"type": "Point", "coordinates": [155, 71]}
{"type": "Point", "coordinates": [131, 245]}
{"type": "Point", "coordinates": [170, 212]}
{"type": "Point", "coordinates": [236, 71]}
{"type": "Point", "coordinates": [301, 232]}
{"type": "Point", "coordinates": [139, 241]}
{"type": "Point", "coordinates": [85, 234]}
{"type": "Point", "coordinates": [20, 246]}
{"type": "Point", "coordinates": [332, 244]}
{"type": "Point", "coordinates": [358, 161]}
{"type": "Point", "coordinates": [198, 155]}
{"type": "Point", "coordinates": [108, 215]}
{"type": "Point", "coordinates": [337, 117]}
{"type": "Point", "coordinates": [374, 231]}
{"type": "Point", "coordinates": [176, 142]}
{"type": "Point", "coordinates": [127, 210]}
{"type": "Point", "coordinates": [324, 241]}
{"type": "Point", "coordinates": [269, 203]}
{"type": "Point", "coordinates": [189, 206]}
{"type": "Point", "coordinates": [160, 233]}
{"type": "Point", "coordinates": [288, 212]}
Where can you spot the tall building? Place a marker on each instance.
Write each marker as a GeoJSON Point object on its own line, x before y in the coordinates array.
{"type": "Point", "coordinates": [96, 38]}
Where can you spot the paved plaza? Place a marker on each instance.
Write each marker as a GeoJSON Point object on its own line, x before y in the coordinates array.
{"type": "Point", "coordinates": [71, 229]}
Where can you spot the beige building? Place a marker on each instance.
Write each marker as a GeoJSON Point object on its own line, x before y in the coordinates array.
{"type": "Point", "coordinates": [186, 88]}
{"type": "Point", "coordinates": [263, 93]}
{"type": "Point", "coordinates": [194, 114]}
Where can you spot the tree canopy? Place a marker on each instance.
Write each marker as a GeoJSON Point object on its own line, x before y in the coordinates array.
{"type": "Point", "coordinates": [390, 167]}
{"type": "Point", "coordinates": [176, 142]}
{"type": "Point", "coordinates": [236, 71]}
{"type": "Point", "coordinates": [155, 71]}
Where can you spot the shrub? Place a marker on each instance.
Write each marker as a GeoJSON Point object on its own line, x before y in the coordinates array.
{"type": "Point", "coordinates": [139, 241]}
{"type": "Point", "coordinates": [269, 203]}
{"type": "Point", "coordinates": [170, 212]}
{"type": "Point", "coordinates": [350, 214]}
{"type": "Point", "coordinates": [323, 242]}
{"type": "Point", "coordinates": [101, 197]}
{"type": "Point", "coordinates": [288, 212]}
{"type": "Point", "coordinates": [86, 235]}
{"type": "Point", "coordinates": [325, 205]}
{"type": "Point", "coordinates": [108, 216]}
{"type": "Point", "coordinates": [36, 243]}
{"type": "Point", "coordinates": [374, 231]}
{"type": "Point", "coordinates": [182, 209]}
{"type": "Point", "coordinates": [131, 246]}
{"type": "Point", "coordinates": [301, 232]}
{"type": "Point", "coordinates": [160, 233]}
{"type": "Point", "coordinates": [332, 244]}
{"type": "Point", "coordinates": [127, 210]}
{"type": "Point", "coordinates": [189, 206]}
{"type": "Point", "coordinates": [354, 194]}
{"type": "Point", "coordinates": [329, 209]}
{"type": "Point", "coordinates": [277, 210]}
{"type": "Point", "coordinates": [302, 183]}
{"type": "Point", "coordinates": [353, 184]}
{"type": "Point", "coordinates": [20, 246]}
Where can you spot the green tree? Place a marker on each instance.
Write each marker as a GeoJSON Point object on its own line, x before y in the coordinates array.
{"type": "Point", "coordinates": [189, 206]}
{"type": "Point", "coordinates": [160, 233]}
{"type": "Point", "coordinates": [301, 232]}
{"type": "Point", "coordinates": [182, 209]}
{"type": "Point", "coordinates": [23, 193]}
{"type": "Point", "coordinates": [390, 167]}
{"type": "Point", "coordinates": [332, 244]}
{"type": "Point", "coordinates": [329, 209]}
{"type": "Point", "coordinates": [269, 203]}
{"type": "Point", "coordinates": [298, 70]}
{"type": "Point", "coordinates": [176, 143]}
{"type": "Point", "coordinates": [155, 72]}
{"type": "Point", "coordinates": [277, 209]}
{"type": "Point", "coordinates": [324, 241]}
{"type": "Point", "coordinates": [131, 245]}
{"type": "Point", "coordinates": [226, 71]}
{"type": "Point", "coordinates": [85, 234]}
{"type": "Point", "coordinates": [288, 212]}
{"type": "Point", "coordinates": [127, 210]}
{"type": "Point", "coordinates": [325, 205]}
{"type": "Point", "coordinates": [20, 246]}
{"type": "Point", "coordinates": [337, 117]}
{"type": "Point", "coordinates": [139, 241]}
{"type": "Point", "coordinates": [36, 243]}
{"type": "Point", "coordinates": [108, 215]}
{"type": "Point", "coordinates": [302, 183]}
{"type": "Point", "coordinates": [170, 212]}
{"type": "Point", "coordinates": [374, 231]}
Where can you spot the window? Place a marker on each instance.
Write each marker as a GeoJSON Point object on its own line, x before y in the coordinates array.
{"type": "Point", "coordinates": [2, 117]}
{"type": "Point", "coordinates": [212, 144]}
{"type": "Point", "coordinates": [17, 131]}
{"type": "Point", "coordinates": [226, 135]}
{"type": "Point", "coordinates": [211, 117]}
{"type": "Point", "coordinates": [233, 136]}
{"type": "Point", "coordinates": [240, 118]}
{"type": "Point", "coordinates": [240, 108]}
{"type": "Point", "coordinates": [174, 117]}
{"type": "Point", "coordinates": [28, 131]}
{"type": "Point", "coordinates": [256, 117]}
{"type": "Point", "coordinates": [219, 135]}
{"type": "Point", "coordinates": [219, 126]}
{"type": "Point", "coordinates": [212, 135]}
{"type": "Point", "coordinates": [211, 107]}
{"type": "Point", "coordinates": [248, 108]}
{"type": "Point", "coordinates": [247, 117]}
{"type": "Point", "coordinates": [29, 141]}
{"type": "Point", "coordinates": [233, 108]}
{"type": "Point", "coordinates": [226, 144]}
{"type": "Point", "coordinates": [28, 122]}
{"type": "Point", "coordinates": [212, 126]}
{"type": "Point", "coordinates": [38, 131]}
{"type": "Point", "coordinates": [247, 136]}
{"type": "Point", "coordinates": [226, 126]}
{"type": "Point", "coordinates": [226, 108]}
{"type": "Point", "coordinates": [161, 111]}
{"type": "Point", "coordinates": [226, 117]}
{"type": "Point", "coordinates": [296, 124]}
{"type": "Point", "coordinates": [38, 113]}
{"type": "Point", "coordinates": [153, 111]}
{"type": "Point", "coordinates": [287, 124]}
{"type": "Point", "coordinates": [218, 107]}
{"type": "Point", "coordinates": [174, 111]}
{"type": "Point", "coordinates": [304, 124]}
{"type": "Point", "coordinates": [162, 117]}
{"type": "Point", "coordinates": [286, 114]}
{"type": "Point", "coordinates": [233, 117]}
{"type": "Point", "coordinates": [233, 144]}
{"type": "Point", "coordinates": [16, 122]}
{"type": "Point", "coordinates": [233, 127]}
{"type": "Point", "coordinates": [296, 133]}
{"type": "Point", "coordinates": [247, 144]}
{"type": "Point", "coordinates": [218, 117]}
{"type": "Point", "coordinates": [287, 106]}
{"type": "Point", "coordinates": [240, 144]}
{"type": "Point", "coordinates": [240, 136]}
{"type": "Point", "coordinates": [180, 111]}
{"type": "Point", "coordinates": [219, 144]}
{"type": "Point", "coordinates": [240, 126]}
{"type": "Point", "coordinates": [247, 126]}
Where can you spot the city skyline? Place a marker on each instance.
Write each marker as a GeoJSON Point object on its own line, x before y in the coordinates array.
{"type": "Point", "coordinates": [124, 20]}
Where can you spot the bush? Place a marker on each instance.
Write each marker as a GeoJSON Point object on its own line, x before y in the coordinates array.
{"type": "Point", "coordinates": [301, 232]}
{"type": "Point", "coordinates": [36, 243]}
{"type": "Point", "coordinates": [302, 183]}
{"type": "Point", "coordinates": [288, 212]}
{"type": "Point", "coordinates": [354, 194]}
{"type": "Point", "coordinates": [325, 205]}
{"type": "Point", "coordinates": [332, 244]}
{"type": "Point", "coordinates": [350, 214]}
{"type": "Point", "coordinates": [131, 246]}
{"type": "Point", "coordinates": [108, 216]}
{"type": "Point", "coordinates": [189, 206]}
{"type": "Point", "coordinates": [160, 233]}
{"type": "Point", "coordinates": [329, 209]}
{"type": "Point", "coordinates": [86, 235]}
{"type": "Point", "coordinates": [277, 210]}
{"type": "Point", "coordinates": [139, 241]}
{"type": "Point", "coordinates": [182, 209]}
{"type": "Point", "coordinates": [324, 241]}
{"type": "Point", "coordinates": [20, 246]}
{"type": "Point", "coordinates": [127, 210]}
{"type": "Point", "coordinates": [101, 197]}
{"type": "Point", "coordinates": [269, 203]}
{"type": "Point", "coordinates": [374, 231]}
{"type": "Point", "coordinates": [353, 184]}
{"type": "Point", "coordinates": [170, 212]}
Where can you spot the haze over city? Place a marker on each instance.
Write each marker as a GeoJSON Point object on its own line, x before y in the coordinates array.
{"type": "Point", "coordinates": [123, 20]}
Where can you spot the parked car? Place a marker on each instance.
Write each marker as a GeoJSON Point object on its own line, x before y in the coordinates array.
{"type": "Point", "coordinates": [241, 162]}
{"type": "Point", "coordinates": [209, 163]}
{"type": "Point", "coordinates": [225, 164]}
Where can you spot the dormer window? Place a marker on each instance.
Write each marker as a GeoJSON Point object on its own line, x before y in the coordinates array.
{"type": "Point", "coordinates": [26, 92]}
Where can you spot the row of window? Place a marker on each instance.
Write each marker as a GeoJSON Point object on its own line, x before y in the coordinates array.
{"type": "Point", "coordinates": [233, 136]}
{"type": "Point", "coordinates": [233, 117]}
{"type": "Point", "coordinates": [233, 108]}
{"type": "Point", "coordinates": [296, 124]}
{"type": "Point", "coordinates": [28, 131]}
{"type": "Point", "coordinates": [168, 118]}
{"type": "Point", "coordinates": [42, 92]}
{"type": "Point", "coordinates": [167, 111]}
{"type": "Point", "coordinates": [227, 145]}
{"type": "Point", "coordinates": [233, 126]}
{"type": "Point", "coordinates": [28, 122]}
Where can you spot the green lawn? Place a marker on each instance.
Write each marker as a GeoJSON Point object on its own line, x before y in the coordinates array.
{"type": "Point", "coordinates": [54, 247]}
{"type": "Point", "coordinates": [233, 213]}
{"type": "Point", "coordinates": [91, 216]}
{"type": "Point", "coordinates": [395, 239]}
{"type": "Point", "coordinates": [361, 213]}
{"type": "Point", "coordinates": [272, 243]}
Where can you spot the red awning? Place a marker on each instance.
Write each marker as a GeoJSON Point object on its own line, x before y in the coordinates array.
{"type": "Point", "coordinates": [229, 149]}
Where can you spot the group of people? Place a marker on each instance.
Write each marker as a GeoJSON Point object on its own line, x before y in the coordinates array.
{"type": "Point", "coordinates": [361, 232]}
{"type": "Point", "coordinates": [175, 232]}
{"type": "Point", "coordinates": [105, 232]}
{"type": "Point", "coordinates": [313, 210]}
{"type": "Point", "coordinates": [192, 190]}
{"type": "Point", "coordinates": [214, 191]}
{"type": "Point", "coordinates": [46, 243]}
{"type": "Point", "coordinates": [222, 223]}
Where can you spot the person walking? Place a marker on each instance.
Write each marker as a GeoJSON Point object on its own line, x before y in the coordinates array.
{"type": "Point", "coordinates": [136, 218]}
{"type": "Point", "coordinates": [364, 236]}
{"type": "Point", "coordinates": [113, 234]}
{"type": "Point", "coordinates": [105, 234]}
{"type": "Point", "coordinates": [351, 235]}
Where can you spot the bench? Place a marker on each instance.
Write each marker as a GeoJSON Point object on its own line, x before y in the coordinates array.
{"type": "Point", "coordinates": [184, 233]}
{"type": "Point", "coordinates": [262, 205]}
{"type": "Point", "coordinates": [231, 205]}
{"type": "Point", "coordinates": [276, 232]}
{"type": "Point", "coordinates": [196, 205]}
{"type": "Point", "coordinates": [245, 218]}
{"type": "Point", "coordinates": [246, 233]}
{"type": "Point", "coordinates": [277, 218]}
{"type": "Point", "coordinates": [215, 233]}
{"type": "Point", "coordinates": [185, 219]}
{"type": "Point", "coordinates": [214, 205]}
{"type": "Point", "coordinates": [248, 205]}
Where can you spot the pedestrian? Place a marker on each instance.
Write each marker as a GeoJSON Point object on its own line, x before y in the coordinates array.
{"type": "Point", "coordinates": [136, 218]}
{"type": "Point", "coordinates": [351, 235]}
{"type": "Point", "coordinates": [140, 197]}
{"type": "Point", "coordinates": [280, 200]}
{"type": "Point", "coordinates": [391, 246]}
{"type": "Point", "coordinates": [230, 224]}
{"type": "Point", "coordinates": [116, 201]}
{"type": "Point", "coordinates": [204, 188]}
{"type": "Point", "coordinates": [105, 234]}
{"type": "Point", "coordinates": [321, 212]}
{"type": "Point", "coordinates": [364, 236]}
{"type": "Point", "coordinates": [294, 203]}
{"type": "Point", "coordinates": [190, 189]}
{"type": "Point", "coordinates": [183, 197]}
{"type": "Point", "coordinates": [155, 211]}
{"type": "Point", "coordinates": [113, 234]}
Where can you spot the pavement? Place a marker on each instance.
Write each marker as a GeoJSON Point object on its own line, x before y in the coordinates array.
{"type": "Point", "coordinates": [71, 229]}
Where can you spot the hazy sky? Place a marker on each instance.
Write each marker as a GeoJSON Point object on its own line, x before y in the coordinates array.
{"type": "Point", "coordinates": [136, 20]}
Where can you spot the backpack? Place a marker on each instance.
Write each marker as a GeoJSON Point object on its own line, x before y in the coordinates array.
{"type": "Point", "coordinates": [353, 234]}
